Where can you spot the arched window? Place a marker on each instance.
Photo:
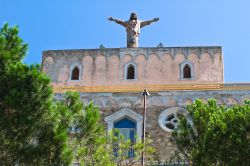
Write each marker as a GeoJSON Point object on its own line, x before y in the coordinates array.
{"type": "Point", "coordinates": [130, 72]}
{"type": "Point", "coordinates": [186, 71]}
{"type": "Point", "coordinates": [126, 128]}
{"type": "Point", "coordinates": [125, 117]}
{"type": "Point", "coordinates": [75, 74]}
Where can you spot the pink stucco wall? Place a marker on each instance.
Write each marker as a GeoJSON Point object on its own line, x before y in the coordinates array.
{"type": "Point", "coordinates": [154, 66]}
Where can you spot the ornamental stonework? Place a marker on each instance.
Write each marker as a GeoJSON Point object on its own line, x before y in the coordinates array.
{"type": "Point", "coordinates": [114, 79]}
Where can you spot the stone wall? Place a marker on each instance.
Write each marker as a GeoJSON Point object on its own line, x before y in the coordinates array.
{"type": "Point", "coordinates": [154, 66]}
{"type": "Point", "coordinates": [157, 102]}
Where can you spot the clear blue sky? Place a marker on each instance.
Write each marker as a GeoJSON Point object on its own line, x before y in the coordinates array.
{"type": "Point", "coordinates": [79, 24]}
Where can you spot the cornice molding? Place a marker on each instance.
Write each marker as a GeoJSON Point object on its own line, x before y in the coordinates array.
{"type": "Point", "coordinates": [152, 88]}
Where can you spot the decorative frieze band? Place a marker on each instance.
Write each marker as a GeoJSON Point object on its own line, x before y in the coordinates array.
{"type": "Point", "coordinates": [134, 52]}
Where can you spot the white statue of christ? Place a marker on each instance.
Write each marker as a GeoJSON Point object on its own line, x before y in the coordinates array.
{"type": "Point", "coordinates": [133, 26]}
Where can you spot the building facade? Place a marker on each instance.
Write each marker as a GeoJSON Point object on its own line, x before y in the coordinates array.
{"type": "Point", "coordinates": [114, 79]}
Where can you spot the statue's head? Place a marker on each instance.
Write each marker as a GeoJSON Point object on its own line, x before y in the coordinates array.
{"type": "Point", "coordinates": [133, 16]}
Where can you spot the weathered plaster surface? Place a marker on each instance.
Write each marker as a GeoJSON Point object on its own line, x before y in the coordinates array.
{"type": "Point", "coordinates": [153, 65]}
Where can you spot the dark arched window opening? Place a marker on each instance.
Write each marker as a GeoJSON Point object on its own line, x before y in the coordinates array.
{"type": "Point", "coordinates": [130, 72]}
{"type": "Point", "coordinates": [186, 72]}
{"type": "Point", "coordinates": [75, 74]}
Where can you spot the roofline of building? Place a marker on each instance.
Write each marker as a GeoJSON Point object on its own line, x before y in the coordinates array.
{"type": "Point", "coordinates": [125, 48]}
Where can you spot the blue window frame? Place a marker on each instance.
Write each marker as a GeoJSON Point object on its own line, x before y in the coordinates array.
{"type": "Point", "coordinates": [127, 128]}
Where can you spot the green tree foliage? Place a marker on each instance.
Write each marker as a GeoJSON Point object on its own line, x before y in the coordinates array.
{"type": "Point", "coordinates": [33, 128]}
{"type": "Point", "coordinates": [214, 135]}
{"type": "Point", "coordinates": [12, 48]}
{"type": "Point", "coordinates": [127, 153]}
{"type": "Point", "coordinates": [90, 138]}
{"type": "Point", "coordinates": [54, 139]}
{"type": "Point", "coordinates": [95, 147]}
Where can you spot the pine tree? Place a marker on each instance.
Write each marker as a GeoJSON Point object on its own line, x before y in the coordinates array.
{"type": "Point", "coordinates": [214, 135]}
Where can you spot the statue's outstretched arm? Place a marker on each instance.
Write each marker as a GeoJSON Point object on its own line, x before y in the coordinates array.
{"type": "Point", "coordinates": [145, 23]}
{"type": "Point", "coordinates": [121, 22]}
